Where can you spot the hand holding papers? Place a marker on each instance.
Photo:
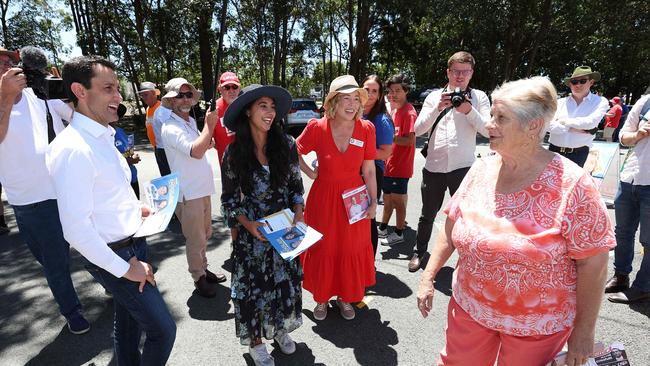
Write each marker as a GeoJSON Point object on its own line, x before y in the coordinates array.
{"type": "Point", "coordinates": [161, 196]}
{"type": "Point", "coordinates": [289, 240]}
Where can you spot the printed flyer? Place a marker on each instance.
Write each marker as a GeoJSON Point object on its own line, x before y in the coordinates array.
{"type": "Point", "coordinates": [289, 240]}
{"type": "Point", "coordinates": [161, 195]}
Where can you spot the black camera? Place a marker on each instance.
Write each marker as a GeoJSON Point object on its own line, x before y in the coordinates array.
{"type": "Point", "coordinates": [45, 86]}
{"type": "Point", "coordinates": [457, 97]}
{"type": "Point", "coordinates": [34, 62]}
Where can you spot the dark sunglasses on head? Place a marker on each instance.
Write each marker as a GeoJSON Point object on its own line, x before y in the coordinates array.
{"type": "Point", "coordinates": [188, 95]}
{"type": "Point", "coordinates": [228, 87]}
{"type": "Point", "coordinates": [578, 81]}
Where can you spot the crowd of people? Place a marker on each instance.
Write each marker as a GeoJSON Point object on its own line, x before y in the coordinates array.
{"type": "Point", "coordinates": [530, 228]}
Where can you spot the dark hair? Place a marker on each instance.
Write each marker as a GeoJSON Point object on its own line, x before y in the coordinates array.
{"type": "Point", "coordinates": [380, 106]}
{"type": "Point", "coordinates": [243, 160]}
{"type": "Point", "coordinates": [400, 79]}
{"type": "Point", "coordinates": [80, 70]}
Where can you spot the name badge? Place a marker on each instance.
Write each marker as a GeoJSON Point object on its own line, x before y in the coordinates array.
{"type": "Point", "coordinates": [356, 142]}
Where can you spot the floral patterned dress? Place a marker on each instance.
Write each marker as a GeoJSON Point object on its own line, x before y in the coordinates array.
{"type": "Point", "coordinates": [266, 290]}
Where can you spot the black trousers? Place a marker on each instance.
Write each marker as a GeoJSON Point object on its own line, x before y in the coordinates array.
{"type": "Point", "coordinates": [379, 174]}
{"type": "Point", "coordinates": [161, 160]}
{"type": "Point", "coordinates": [577, 155]}
{"type": "Point", "coordinates": [433, 188]}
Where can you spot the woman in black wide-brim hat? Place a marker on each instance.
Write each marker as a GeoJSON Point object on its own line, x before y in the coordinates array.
{"type": "Point", "coordinates": [260, 176]}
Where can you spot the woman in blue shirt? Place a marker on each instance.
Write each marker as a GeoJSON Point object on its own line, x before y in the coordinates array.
{"type": "Point", "coordinates": [375, 111]}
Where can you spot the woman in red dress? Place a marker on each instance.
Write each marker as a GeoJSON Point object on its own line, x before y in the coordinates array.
{"type": "Point", "coordinates": [342, 264]}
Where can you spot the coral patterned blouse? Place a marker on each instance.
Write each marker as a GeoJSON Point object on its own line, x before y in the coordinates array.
{"type": "Point", "coordinates": [516, 271]}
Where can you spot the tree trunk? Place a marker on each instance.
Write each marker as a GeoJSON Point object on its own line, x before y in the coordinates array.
{"type": "Point", "coordinates": [4, 6]}
{"type": "Point", "coordinates": [222, 32]}
{"type": "Point", "coordinates": [205, 48]}
{"type": "Point", "coordinates": [140, 14]}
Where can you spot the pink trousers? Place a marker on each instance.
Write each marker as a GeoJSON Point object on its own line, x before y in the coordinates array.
{"type": "Point", "coordinates": [469, 343]}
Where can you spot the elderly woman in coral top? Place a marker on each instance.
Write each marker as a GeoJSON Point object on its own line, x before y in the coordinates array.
{"type": "Point", "coordinates": [532, 235]}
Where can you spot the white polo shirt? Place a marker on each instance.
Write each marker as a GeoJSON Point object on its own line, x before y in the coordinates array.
{"type": "Point", "coordinates": [23, 172]}
{"type": "Point", "coordinates": [583, 116]}
{"type": "Point", "coordinates": [96, 202]}
{"type": "Point", "coordinates": [195, 175]}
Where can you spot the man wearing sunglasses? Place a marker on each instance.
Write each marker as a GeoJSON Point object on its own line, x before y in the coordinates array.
{"type": "Point", "coordinates": [576, 115]}
{"type": "Point", "coordinates": [185, 146]}
{"type": "Point", "coordinates": [229, 88]}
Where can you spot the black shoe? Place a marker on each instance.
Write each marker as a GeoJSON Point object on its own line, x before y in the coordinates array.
{"type": "Point", "coordinates": [630, 296]}
{"type": "Point", "coordinates": [77, 324]}
{"type": "Point", "coordinates": [204, 288]}
{"type": "Point", "coordinates": [618, 283]}
{"type": "Point", "coordinates": [4, 229]}
{"type": "Point", "coordinates": [215, 278]}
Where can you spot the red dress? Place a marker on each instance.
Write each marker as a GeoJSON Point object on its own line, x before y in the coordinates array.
{"type": "Point", "coordinates": [342, 263]}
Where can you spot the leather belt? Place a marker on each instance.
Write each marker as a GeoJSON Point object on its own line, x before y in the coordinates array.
{"type": "Point", "coordinates": [117, 245]}
{"type": "Point", "coordinates": [570, 150]}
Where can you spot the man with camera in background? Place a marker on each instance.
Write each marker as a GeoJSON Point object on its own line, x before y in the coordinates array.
{"type": "Point", "coordinates": [460, 113]}
{"type": "Point", "coordinates": [28, 124]}
{"type": "Point", "coordinates": [577, 116]}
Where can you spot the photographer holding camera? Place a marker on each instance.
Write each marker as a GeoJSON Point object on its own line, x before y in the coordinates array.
{"type": "Point", "coordinates": [27, 125]}
{"type": "Point", "coordinates": [452, 116]}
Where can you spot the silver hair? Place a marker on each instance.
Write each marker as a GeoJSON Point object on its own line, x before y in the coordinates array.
{"type": "Point", "coordinates": [529, 99]}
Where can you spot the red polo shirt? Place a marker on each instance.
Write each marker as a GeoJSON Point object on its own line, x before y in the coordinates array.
{"type": "Point", "coordinates": [222, 136]}
{"type": "Point", "coordinates": [400, 163]}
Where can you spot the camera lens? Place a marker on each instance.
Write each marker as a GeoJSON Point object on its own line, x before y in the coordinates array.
{"type": "Point", "coordinates": [457, 100]}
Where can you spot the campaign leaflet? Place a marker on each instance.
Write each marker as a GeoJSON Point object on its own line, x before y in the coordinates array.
{"type": "Point", "coordinates": [614, 355]}
{"type": "Point", "coordinates": [289, 240]}
{"type": "Point", "coordinates": [130, 147]}
{"type": "Point", "coordinates": [356, 201]}
{"type": "Point", "coordinates": [161, 195]}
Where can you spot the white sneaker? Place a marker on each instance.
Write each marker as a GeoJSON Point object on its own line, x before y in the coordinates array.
{"type": "Point", "coordinates": [393, 239]}
{"type": "Point", "coordinates": [287, 345]}
{"type": "Point", "coordinates": [382, 233]}
{"type": "Point", "coordinates": [261, 356]}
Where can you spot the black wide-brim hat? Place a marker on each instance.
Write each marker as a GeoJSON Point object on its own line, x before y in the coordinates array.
{"type": "Point", "coordinates": [253, 92]}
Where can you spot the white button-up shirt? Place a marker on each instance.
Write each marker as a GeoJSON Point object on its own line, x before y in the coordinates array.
{"type": "Point", "coordinates": [195, 175]}
{"type": "Point", "coordinates": [583, 116]}
{"type": "Point", "coordinates": [454, 141]}
{"type": "Point", "coordinates": [92, 181]}
{"type": "Point", "coordinates": [23, 173]}
{"type": "Point", "coordinates": [639, 156]}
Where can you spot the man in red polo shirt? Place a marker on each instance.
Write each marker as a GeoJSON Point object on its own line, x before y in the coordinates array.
{"type": "Point", "coordinates": [229, 88]}
{"type": "Point", "coordinates": [399, 166]}
{"type": "Point", "coordinates": [612, 118]}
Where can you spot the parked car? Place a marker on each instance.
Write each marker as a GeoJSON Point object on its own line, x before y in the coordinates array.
{"type": "Point", "coordinates": [417, 96]}
{"type": "Point", "coordinates": [302, 110]}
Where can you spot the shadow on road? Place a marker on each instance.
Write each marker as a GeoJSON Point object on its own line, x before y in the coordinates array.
{"type": "Point", "coordinates": [302, 357]}
{"type": "Point", "coordinates": [642, 308]}
{"type": "Point", "coordinates": [216, 308]}
{"type": "Point", "coordinates": [390, 286]}
{"type": "Point", "coordinates": [443, 280]}
{"type": "Point", "coordinates": [371, 347]}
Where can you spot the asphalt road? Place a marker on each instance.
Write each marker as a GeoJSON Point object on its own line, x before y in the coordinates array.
{"type": "Point", "coordinates": [388, 329]}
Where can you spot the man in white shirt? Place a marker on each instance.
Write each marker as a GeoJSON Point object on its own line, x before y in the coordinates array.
{"type": "Point", "coordinates": [576, 115]}
{"type": "Point", "coordinates": [451, 148]}
{"type": "Point", "coordinates": [23, 142]}
{"type": "Point", "coordinates": [185, 147]}
{"type": "Point", "coordinates": [100, 213]}
{"type": "Point", "coordinates": [632, 209]}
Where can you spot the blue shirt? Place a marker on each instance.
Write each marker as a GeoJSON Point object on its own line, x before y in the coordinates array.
{"type": "Point", "coordinates": [384, 130]}
{"type": "Point", "coordinates": [122, 144]}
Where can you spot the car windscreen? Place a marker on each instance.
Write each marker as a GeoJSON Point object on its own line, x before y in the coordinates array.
{"type": "Point", "coordinates": [303, 105]}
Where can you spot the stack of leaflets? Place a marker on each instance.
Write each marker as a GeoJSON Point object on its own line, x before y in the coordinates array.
{"type": "Point", "coordinates": [614, 355]}
{"type": "Point", "coordinates": [289, 240]}
{"type": "Point", "coordinates": [356, 201]}
{"type": "Point", "coordinates": [161, 195]}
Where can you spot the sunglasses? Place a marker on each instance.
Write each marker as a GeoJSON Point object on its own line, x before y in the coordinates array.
{"type": "Point", "coordinates": [188, 95]}
{"type": "Point", "coordinates": [578, 81]}
{"type": "Point", "coordinates": [228, 87]}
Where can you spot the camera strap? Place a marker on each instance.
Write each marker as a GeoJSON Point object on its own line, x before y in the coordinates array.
{"type": "Point", "coordinates": [433, 127]}
{"type": "Point", "coordinates": [50, 124]}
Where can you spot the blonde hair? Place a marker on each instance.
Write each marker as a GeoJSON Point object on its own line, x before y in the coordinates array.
{"type": "Point", "coordinates": [529, 99]}
{"type": "Point", "coordinates": [461, 57]}
{"type": "Point", "coordinates": [332, 104]}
